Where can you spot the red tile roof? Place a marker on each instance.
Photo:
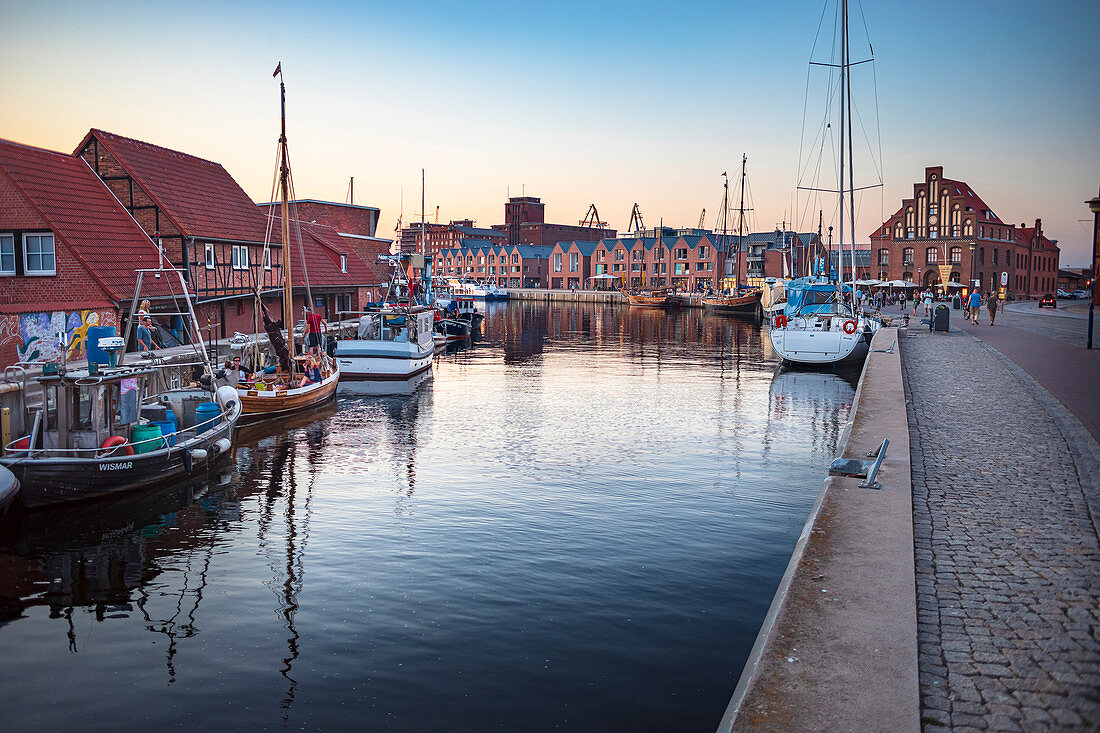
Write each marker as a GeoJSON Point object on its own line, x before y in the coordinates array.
{"type": "Point", "coordinates": [198, 196]}
{"type": "Point", "coordinates": [83, 213]}
{"type": "Point", "coordinates": [322, 247]}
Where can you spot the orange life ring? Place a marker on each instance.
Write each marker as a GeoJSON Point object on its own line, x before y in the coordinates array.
{"type": "Point", "coordinates": [781, 321]}
{"type": "Point", "coordinates": [849, 327]}
{"type": "Point", "coordinates": [114, 442]}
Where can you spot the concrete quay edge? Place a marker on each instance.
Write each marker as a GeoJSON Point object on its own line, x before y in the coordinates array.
{"type": "Point", "coordinates": [838, 647]}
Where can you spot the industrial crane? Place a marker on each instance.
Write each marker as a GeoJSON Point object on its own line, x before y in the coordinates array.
{"type": "Point", "coordinates": [702, 216]}
{"type": "Point", "coordinates": [592, 219]}
{"type": "Point", "coordinates": [635, 224]}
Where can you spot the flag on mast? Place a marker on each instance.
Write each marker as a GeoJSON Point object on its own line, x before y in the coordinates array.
{"type": "Point", "coordinates": [278, 70]}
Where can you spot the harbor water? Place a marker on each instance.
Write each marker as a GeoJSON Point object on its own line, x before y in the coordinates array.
{"type": "Point", "coordinates": [577, 522]}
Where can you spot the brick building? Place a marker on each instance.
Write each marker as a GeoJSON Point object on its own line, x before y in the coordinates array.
{"type": "Point", "coordinates": [525, 223]}
{"type": "Point", "coordinates": [508, 266]}
{"type": "Point", "coordinates": [447, 236]}
{"type": "Point", "coordinates": [63, 237]}
{"type": "Point", "coordinates": [209, 227]}
{"type": "Point", "coordinates": [947, 233]}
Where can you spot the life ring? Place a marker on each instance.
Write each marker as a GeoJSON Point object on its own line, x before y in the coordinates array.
{"type": "Point", "coordinates": [849, 327]}
{"type": "Point", "coordinates": [780, 321]}
{"type": "Point", "coordinates": [110, 444]}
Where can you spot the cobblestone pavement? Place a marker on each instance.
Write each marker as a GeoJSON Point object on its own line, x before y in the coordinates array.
{"type": "Point", "coordinates": [1007, 553]}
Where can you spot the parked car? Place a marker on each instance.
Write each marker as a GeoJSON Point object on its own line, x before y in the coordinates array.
{"type": "Point", "coordinates": [1065, 295]}
{"type": "Point", "coordinates": [1048, 301]}
{"type": "Point", "coordinates": [1082, 294]}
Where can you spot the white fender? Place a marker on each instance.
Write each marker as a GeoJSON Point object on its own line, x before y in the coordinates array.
{"type": "Point", "coordinates": [198, 454]}
{"type": "Point", "coordinates": [225, 396]}
{"type": "Point", "coordinates": [221, 445]}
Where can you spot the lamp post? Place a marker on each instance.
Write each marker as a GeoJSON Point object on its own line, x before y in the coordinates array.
{"type": "Point", "coordinates": [972, 247]}
{"type": "Point", "coordinates": [1094, 207]}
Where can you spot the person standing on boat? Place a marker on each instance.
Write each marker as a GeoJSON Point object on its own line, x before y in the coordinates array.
{"type": "Point", "coordinates": [145, 335]}
{"type": "Point", "coordinates": [315, 326]}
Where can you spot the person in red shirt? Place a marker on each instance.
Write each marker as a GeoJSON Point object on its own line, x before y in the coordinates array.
{"type": "Point", "coordinates": [315, 326]}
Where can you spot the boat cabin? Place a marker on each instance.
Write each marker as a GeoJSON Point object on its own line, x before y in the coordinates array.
{"type": "Point", "coordinates": [81, 410]}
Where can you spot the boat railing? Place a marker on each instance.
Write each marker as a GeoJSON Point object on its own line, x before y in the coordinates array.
{"type": "Point", "coordinates": [101, 452]}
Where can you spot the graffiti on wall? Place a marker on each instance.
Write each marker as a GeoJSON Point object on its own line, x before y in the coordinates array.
{"type": "Point", "coordinates": [37, 336]}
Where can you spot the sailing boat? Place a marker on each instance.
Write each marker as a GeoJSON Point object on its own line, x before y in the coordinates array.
{"type": "Point", "coordinates": [820, 325]}
{"type": "Point", "coordinates": [735, 302]}
{"type": "Point", "coordinates": [285, 390]}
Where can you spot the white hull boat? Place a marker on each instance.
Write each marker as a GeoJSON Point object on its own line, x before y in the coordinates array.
{"type": "Point", "coordinates": [393, 345]}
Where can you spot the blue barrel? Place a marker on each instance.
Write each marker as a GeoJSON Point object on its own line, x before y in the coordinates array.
{"type": "Point", "coordinates": [167, 427]}
{"type": "Point", "coordinates": [91, 343]}
{"type": "Point", "coordinates": [205, 411]}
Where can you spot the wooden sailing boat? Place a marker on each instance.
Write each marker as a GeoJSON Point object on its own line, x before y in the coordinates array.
{"type": "Point", "coordinates": [736, 302]}
{"type": "Point", "coordinates": [283, 391]}
{"type": "Point", "coordinates": [650, 297]}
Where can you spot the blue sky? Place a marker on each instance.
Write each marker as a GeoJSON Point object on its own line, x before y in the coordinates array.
{"type": "Point", "coordinates": [609, 103]}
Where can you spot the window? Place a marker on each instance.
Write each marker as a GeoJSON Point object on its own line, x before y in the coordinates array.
{"type": "Point", "coordinates": [994, 256]}
{"type": "Point", "coordinates": [600, 255]}
{"type": "Point", "coordinates": [7, 254]}
{"type": "Point", "coordinates": [209, 251]}
{"type": "Point", "coordinates": [515, 261]}
{"type": "Point", "coordinates": [907, 256]}
{"type": "Point", "coordinates": [931, 256]}
{"type": "Point", "coordinates": [240, 257]}
{"type": "Point", "coordinates": [267, 258]}
{"type": "Point", "coordinates": [574, 263]}
{"type": "Point", "coordinates": [682, 253]}
{"type": "Point", "coordinates": [910, 233]}
{"type": "Point", "coordinates": [956, 255]}
{"type": "Point", "coordinates": [700, 266]}
{"type": "Point", "coordinates": [981, 231]}
{"type": "Point", "coordinates": [620, 255]}
{"type": "Point", "coordinates": [981, 255]}
{"type": "Point", "coordinates": [883, 257]}
{"type": "Point", "coordinates": [636, 255]}
{"type": "Point", "coordinates": [933, 232]}
{"type": "Point", "coordinates": [343, 263]}
{"type": "Point", "coordinates": [38, 256]}
{"type": "Point", "coordinates": [703, 252]}
{"type": "Point", "coordinates": [956, 231]}
{"type": "Point", "coordinates": [557, 262]}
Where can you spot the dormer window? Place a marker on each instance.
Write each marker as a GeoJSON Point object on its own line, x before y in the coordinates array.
{"type": "Point", "coordinates": [343, 263]}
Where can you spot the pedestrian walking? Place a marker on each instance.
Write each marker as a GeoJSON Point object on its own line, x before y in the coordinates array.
{"type": "Point", "coordinates": [991, 306]}
{"type": "Point", "coordinates": [928, 303]}
{"type": "Point", "coordinates": [975, 306]}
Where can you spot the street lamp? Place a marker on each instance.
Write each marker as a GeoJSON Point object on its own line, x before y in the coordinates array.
{"type": "Point", "coordinates": [972, 263]}
{"type": "Point", "coordinates": [1094, 207]}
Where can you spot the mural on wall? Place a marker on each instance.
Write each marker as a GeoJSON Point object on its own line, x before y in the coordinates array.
{"type": "Point", "coordinates": [37, 338]}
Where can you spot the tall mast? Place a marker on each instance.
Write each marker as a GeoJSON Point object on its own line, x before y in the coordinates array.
{"type": "Point", "coordinates": [423, 226]}
{"type": "Point", "coordinates": [843, 111]}
{"type": "Point", "coordinates": [725, 213]}
{"type": "Point", "coordinates": [741, 221]}
{"type": "Point", "coordinates": [284, 195]}
{"type": "Point", "coordinates": [851, 166]}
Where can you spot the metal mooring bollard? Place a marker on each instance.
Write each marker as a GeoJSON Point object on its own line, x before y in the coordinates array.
{"type": "Point", "coordinates": [870, 482]}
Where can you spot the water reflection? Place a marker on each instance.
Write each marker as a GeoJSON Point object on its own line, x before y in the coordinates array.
{"type": "Point", "coordinates": [559, 525]}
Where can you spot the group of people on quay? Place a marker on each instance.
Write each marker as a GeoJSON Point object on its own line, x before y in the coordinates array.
{"type": "Point", "coordinates": [970, 303]}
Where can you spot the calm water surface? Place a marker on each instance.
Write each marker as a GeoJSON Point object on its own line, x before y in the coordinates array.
{"type": "Point", "coordinates": [577, 523]}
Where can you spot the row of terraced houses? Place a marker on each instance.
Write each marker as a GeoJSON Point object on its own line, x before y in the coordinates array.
{"type": "Point", "coordinates": [944, 233]}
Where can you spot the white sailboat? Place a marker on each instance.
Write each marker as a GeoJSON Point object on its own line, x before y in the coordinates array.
{"type": "Point", "coordinates": [820, 325]}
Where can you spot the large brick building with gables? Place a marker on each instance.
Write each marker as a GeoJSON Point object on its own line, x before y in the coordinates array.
{"type": "Point", "coordinates": [947, 233]}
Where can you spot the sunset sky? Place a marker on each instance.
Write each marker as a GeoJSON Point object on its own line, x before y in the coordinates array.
{"type": "Point", "coordinates": [613, 103]}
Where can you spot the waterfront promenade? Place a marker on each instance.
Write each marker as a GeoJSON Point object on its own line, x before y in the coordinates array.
{"type": "Point", "coordinates": [1006, 557]}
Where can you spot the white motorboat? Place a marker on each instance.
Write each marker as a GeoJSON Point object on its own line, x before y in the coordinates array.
{"type": "Point", "coordinates": [393, 344]}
